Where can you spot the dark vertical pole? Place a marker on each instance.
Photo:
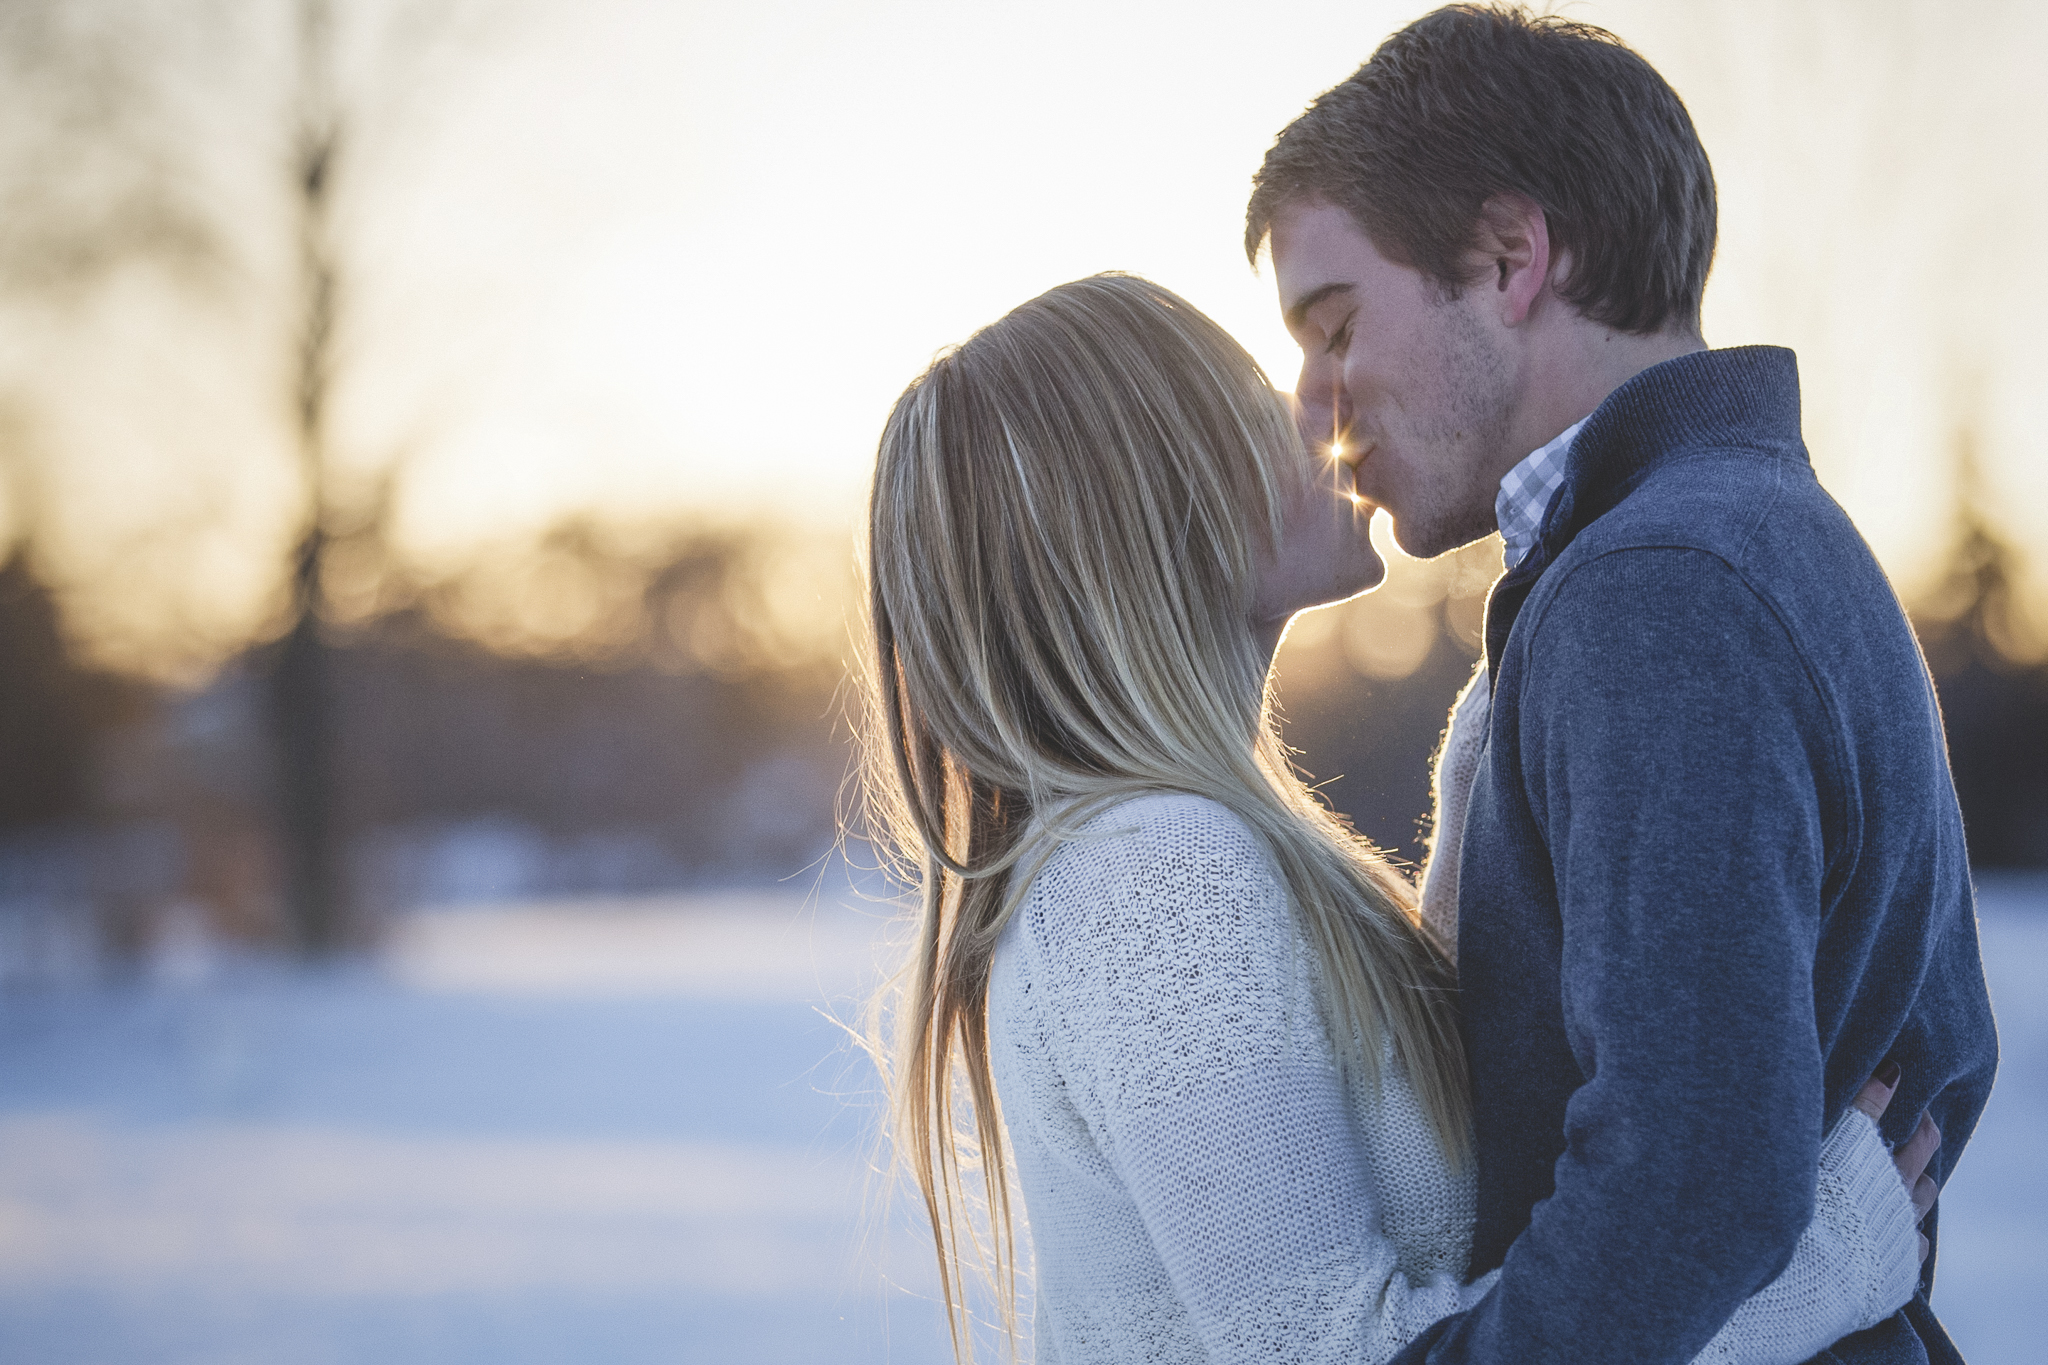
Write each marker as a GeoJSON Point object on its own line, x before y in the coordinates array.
{"type": "Point", "coordinates": [301, 683]}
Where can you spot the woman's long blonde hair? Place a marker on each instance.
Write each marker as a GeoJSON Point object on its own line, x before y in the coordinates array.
{"type": "Point", "coordinates": [1066, 517]}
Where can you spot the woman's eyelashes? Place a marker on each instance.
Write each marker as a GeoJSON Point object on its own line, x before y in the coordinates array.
{"type": "Point", "coordinates": [1340, 339]}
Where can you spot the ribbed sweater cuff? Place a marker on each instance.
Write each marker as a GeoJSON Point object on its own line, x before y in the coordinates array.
{"type": "Point", "coordinates": [1871, 1183]}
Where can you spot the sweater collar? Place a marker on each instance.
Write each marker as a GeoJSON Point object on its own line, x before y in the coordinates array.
{"type": "Point", "coordinates": [1746, 397]}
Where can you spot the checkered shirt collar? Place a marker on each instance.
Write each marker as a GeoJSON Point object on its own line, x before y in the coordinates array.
{"type": "Point", "coordinates": [1527, 492]}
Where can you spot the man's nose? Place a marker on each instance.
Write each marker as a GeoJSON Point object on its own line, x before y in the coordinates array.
{"type": "Point", "coordinates": [1312, 419]}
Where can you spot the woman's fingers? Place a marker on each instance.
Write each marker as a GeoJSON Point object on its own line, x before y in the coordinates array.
{"type": "Point", "coordinates": [1876, 1093]}
{"type": "Point", "coordinates": [1913, 1155]}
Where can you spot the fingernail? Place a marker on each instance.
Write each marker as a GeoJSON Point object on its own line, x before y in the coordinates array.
{"type": "Point", "coordinates": [1888, 1075]}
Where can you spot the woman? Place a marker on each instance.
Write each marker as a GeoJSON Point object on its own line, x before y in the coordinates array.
{"type": "Point", "coordinates": [1201, 1016]}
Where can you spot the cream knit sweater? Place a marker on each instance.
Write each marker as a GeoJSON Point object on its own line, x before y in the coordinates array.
{"type": "Point", "coordinates": [1457, 763]}
{"type": "Point", "coordinates": [1200, 1185]}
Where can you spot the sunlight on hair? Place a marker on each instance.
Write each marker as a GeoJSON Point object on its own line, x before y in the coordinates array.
{"type": "Point", "coordinates": [1068, 514]}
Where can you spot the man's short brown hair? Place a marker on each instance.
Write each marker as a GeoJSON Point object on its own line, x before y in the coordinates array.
{"type": "Point", "coordinates": [1474, 101]}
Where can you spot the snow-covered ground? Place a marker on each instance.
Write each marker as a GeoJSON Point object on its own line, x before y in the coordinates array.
{"type": "Point", "coordinates": [616, 1133]}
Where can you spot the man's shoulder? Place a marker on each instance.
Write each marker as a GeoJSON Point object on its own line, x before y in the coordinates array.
{"type": "Point", "coordinates": [1730, 559]}
{"type": "Point", "coordinates": [1752, 516]}
{"type": "Point", "coordinates": [1731, 502]}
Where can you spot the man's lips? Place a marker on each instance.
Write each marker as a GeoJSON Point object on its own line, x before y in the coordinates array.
{"type": "Point", "coordinates": [1352, 457]}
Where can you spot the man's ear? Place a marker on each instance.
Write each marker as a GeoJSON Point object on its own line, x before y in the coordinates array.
{"type": "Point", "coordinates": [1512, 254]}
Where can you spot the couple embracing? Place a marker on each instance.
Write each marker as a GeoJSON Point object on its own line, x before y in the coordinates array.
{"type": "Point", "coordinates": [1667, 1058]}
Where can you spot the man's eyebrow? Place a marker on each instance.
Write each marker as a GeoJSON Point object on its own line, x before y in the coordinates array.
{"type": "Point", "coordinates": [1309, 300]}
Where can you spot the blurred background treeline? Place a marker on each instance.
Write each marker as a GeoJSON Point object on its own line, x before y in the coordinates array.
{"type": "Point", "coordinates": [253, 697]}
{"type": "Point", "coordinates": [612, 705]}
{"type": "Point", "coordinates": [593, 715]}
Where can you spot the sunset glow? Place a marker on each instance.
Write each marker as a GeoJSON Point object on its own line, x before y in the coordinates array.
{"type": "Point", "coordinates": [644, 261]}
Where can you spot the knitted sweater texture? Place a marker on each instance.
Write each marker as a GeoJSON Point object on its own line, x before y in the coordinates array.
{"type": "Point", "coordinates": [1200, 1183]}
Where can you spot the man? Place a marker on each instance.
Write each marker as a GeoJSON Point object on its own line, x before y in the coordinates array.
{"type": "Point", "coordinates": [1712, 872]}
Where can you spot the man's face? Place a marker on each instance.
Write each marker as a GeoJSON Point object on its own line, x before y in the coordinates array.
{"type": "Point", "coordinates": [1416, 391]}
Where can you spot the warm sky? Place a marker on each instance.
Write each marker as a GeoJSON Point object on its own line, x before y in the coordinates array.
{"type": "Point", "coordinates": [646, 257]}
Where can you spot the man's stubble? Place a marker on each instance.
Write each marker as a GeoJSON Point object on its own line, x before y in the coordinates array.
{"type": "Point", "coordinates": [1466, 443]}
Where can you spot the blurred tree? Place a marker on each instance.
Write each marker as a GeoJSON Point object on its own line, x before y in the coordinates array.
{"type": "Point", "coordinates": [105, 168]}
{"type": "Point", "coordinates": [52, 710]}
{"type": "Point", "coordinates": [300, 682]}
{"type": "Point", "coordinates": [89, 188]}
{"type": "Point", "coordinates": [301, 679]}
{"type": "Point", "coordinates": [1990, 665]}
{"type": "Point", "coordinates": [326, 128]}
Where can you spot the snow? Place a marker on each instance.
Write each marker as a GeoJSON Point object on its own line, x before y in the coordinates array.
{"type": "Point", "coordinates": [620, 1131]}
{"type": "Point", "coordinates": [1992, 1279]}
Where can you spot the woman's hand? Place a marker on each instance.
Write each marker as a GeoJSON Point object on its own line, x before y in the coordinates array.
{"type": "Point", "coordinates": [1912, 1156]}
